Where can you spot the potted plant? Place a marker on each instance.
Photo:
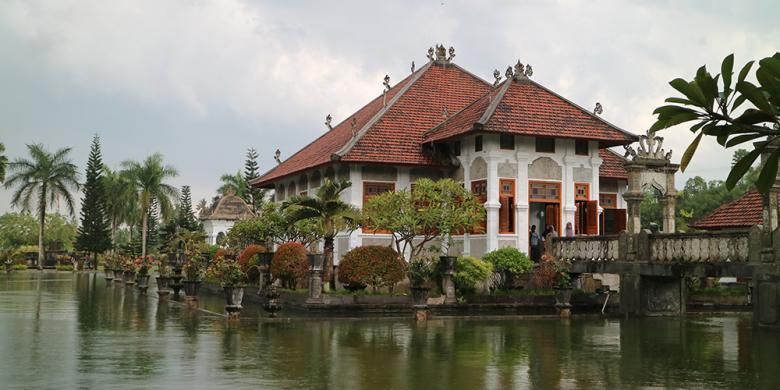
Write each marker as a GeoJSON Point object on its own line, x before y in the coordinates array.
{"type": "Point", "coordinates": [128, 267]}
{"type": "Point", "coordinates": [8, 265]}
{"type": "Point", "coordinates": [163, 276]}
{"type": "Point", "coordinates": [193, 272]}
{"type": "Point", "coordinates": [143, 265]}
{"type": "Point", "coordinates": [108, 267]}
{"type": "Point", "coordinates": [232, 279]}
{"type": "Point", "coordinates": [562, 285]}
{"type": "Point", "coordinates": [420, 272]}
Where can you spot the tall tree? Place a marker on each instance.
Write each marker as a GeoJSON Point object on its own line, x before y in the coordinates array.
{"type": "Point", "coordinates": [148, 180]}
{"type": "Point", "coordinates": [94, 232]}
{"type": "Point", "coordinates": [185, 218]}
{"type": "Point", "coordinates": [202, 207]}
{"type": "Point", "coordinates": [255, 196]}
{"type": "Point", "coordinates": [3, 162]}
{"type": "Point", "coordinates": [47, 177]}
{"type": "Point", "coordinates": [329, 212]}
{"type": "Point", "coordinates": [233, 183]}
{"type": "Point", "coordinates": [120, 200]}
{"type": "Point", "coordinates": [716, 108]}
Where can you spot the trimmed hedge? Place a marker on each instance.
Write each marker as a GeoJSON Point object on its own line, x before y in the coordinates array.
{"type": "Point", "coordinates": [375, 266]}
{"type": "Point", "coordinates": [290, 264]}
{"type": "Point", "coordinates": [249, 261]}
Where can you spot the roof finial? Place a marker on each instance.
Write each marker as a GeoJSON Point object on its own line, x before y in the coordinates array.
{"type": "Point", "coordinates": [353, 125]}
{"type": "Point", "coordinates": [497, 76]}
{"type": "Point", "coordinates": [529, 71]}
{"type": "Point", "coordinates": [430, 53]}
{"type": "Point", "coordinates": [519, 69]}
{"type": "Point", "coordinates": [509, 73]}
{"type": "Point", "coordinates": [439, 54]}
{"type": "Point", "coordinates": [328, 119]}
{"type": "Point", "coordinates": [386, 82]}
{"type": "Point", "coordinates": [451, 51]}
{"type": "Point", "coordinates": [598, 109]}
{"type": "Point", "coordinates": [277, 156]}
{"type": "Point", "coordinates": [412, 66]}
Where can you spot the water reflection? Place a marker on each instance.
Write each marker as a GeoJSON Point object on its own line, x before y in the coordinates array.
{"type": "Point", "coordinates": [73, 330]}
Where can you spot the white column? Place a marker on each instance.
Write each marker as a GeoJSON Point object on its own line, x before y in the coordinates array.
{"type": "Point", "coordinates": [465, 162]}
{"type": "Point", "coordinates": [403, 180]}
{"type": "Point", "coordinates": [356, 198]}
{"type": "Point", "coordinates": [521, 202]}
{"type": "Point", "coordinates": [595, 163]}
{"type": "Point", "coordinates": [492, 205]}
{"type": "Point", "coordinates": [567, 186]}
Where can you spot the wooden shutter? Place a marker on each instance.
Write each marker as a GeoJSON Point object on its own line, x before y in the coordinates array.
{"type": "Point", "coordinates": [620, 220]}
{"type": "Point", "coordinates": [370, 190]}
{"type": "Point", "coordinates": [479, 190]}
{"type": "Point", "coordinates": [592, 226]}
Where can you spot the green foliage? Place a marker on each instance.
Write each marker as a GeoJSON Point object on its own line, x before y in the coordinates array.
{"type": "Point", "coordinates": [148, 182]}
{"type": "Point", "coordinates": [185, 217]}
{"type": "Point", "coordinates": [193, 269]}
{"type": "Point", "coordinates": [716, 107]}
{"type": "Point", "coordinates": [551, 274]}
{"type": "Point", "coordinates": [421, 270]}
{"type": "Point", "coordinates": [63, 267]}
{"type": "Point", "coordinates": [250, 261]}
{"type": "Point", "coordinates": [19, 267]}
{"type": "Point", "coordinates": [375, 266]}
{"type": "Point", "coordinates": [3, 162]}
{"type": "Point", "coordinates": [20, 229]}
{"type": "Point", "coordinates": [274, 226]}
{"type": "Point", "coordinates": [94, 232]}
{"type": "Point", "coordinates": [255, 196]}
{"type": "Point", "coordinates": [120, 204]}
{"type": "Point", "coordinates": [47, 178]}
{"type": "Point", "coordinates": [227, 272]}
{"type": "Point", "coordinates": [234, 184]}
{"type": "Point", "coordinates": [510, 259]}
{"type": "Point", "coordinates": [435, 209]}
{"type": "Point", "coordinates": [470, 272]}
{"type": "Point", "coordinates": [290, 264]}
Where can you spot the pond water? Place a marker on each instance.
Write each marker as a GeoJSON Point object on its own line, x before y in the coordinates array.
{"type": "Point", "coordinates": [63, 330]}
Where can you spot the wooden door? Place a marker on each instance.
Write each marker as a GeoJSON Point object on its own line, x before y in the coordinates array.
{"type": "Point", "coordinates": [506, 216]}
{"type": "Point", "coordinates": [552, 216]}
{"type": "Point", "coordinates": [620, 220]}
{"type": "Point", "coordinates": [592, 210]}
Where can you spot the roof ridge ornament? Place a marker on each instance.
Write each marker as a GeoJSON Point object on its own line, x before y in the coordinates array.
{"type": "Point", "coordinates": [353, 126]}
{"type": "Point", "coordinates": [412, 66]}
{"type": "Point", "coordinates": [328, 119]}
{"type": "Point", "coordinates": [520, 71]}
{"type": "Point", "coordinates": [497, 77]}
{"type": "Point", "coordinates": [439, 54]}
{"type": "Point", "coordinates": [277, 156]}
{"type": "Point", "coordinates": [598, 110]}
{"type": "Point", "coordinates": [650, 147]}
{"type": "Point", "coordinates": [386, 83]}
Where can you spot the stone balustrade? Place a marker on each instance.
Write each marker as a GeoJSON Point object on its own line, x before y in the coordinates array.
{"type": "Point", "coordinates": [586, 248]}
{"type": "Point", "coordinates": [704, 247]}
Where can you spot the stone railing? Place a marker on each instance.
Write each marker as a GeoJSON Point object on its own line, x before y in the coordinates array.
{"type": "Point", "coordinates": [708, 247]}
{"type": "Point", "coordinates": [586, 248]}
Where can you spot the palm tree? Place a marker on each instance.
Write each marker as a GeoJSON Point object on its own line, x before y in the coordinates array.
{"type": "Point", "coordinates": [47, 177]}
{"type": "Point", "coordinates": [120, 199]}
{"type": "Point", "coordinates": [3, 162]}
{"type": "Point", "coordinates": [235, 184]}
{"type": "Point", "coordinates": [202, 207]}
{"type": "Point", "coordinates": [332, 214]}
{"type": "Point", "coordinates": [148, 182]}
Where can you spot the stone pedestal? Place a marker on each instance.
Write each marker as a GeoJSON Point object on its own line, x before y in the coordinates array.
{"type": "Point", "coordinates": [766, 296]}
{"type": "Point", "coordinates": [315, 287]}
{"type": "Point", "coordinates": [447, 264]}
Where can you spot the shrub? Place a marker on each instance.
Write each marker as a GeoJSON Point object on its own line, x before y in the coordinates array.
{"type": "Point", "coordinates": [375, 266]}
{"type": "Point", "coordinates": [226, 272]}
{"type": "Point", "coordinates": [551, 274]}
{"type": "Point", "coordinates": [249, 261]}
{"type": "Point", "coordinates": [421, 270]}
{"type": "Point", "coordinates": [289, 264]}
{"type": "Point", "coordinates": [19, 267]}
{"type": "Point", "coordinates": [470, 271]}
{"type": "Point", "coordinates": [64, 267]}
{"type": "Point", "coordinates": [510, 259]}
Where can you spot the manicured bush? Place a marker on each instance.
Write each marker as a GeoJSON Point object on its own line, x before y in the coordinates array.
{"type": "Point", "coordinates": [510, 260]}
{"type": "Point", "coordinates": [290, 264]}
{"type": "Point", "coordinates": [375, 266]}
{"type": "Point", "coordinates": [249, 261]}
{"type": "Point", "coordinates": [226, 272]}
{"type": "Point", "coordinates": [470, 271]}
{"type": "Point", "coordinates": [64, 267]}
{"type": "Point", "coordinates": [19, 267]}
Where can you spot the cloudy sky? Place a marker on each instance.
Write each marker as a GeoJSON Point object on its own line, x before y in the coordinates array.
{"type": "Point", "coordinates": [201, 81]}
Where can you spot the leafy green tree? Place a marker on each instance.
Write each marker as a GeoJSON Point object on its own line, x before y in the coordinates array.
{"type": "Point", "coordinates": [435, 209]}
{"type": "Point", "coordinates": [17, 229]}
{"type": "Point", "coordinates": [3, 162]}
{"type": "Point", "coordinates": [330, 214]}
{"type": "Point", "coordinates": [60, 232]}
{"type": "Point", "coordinates": [120, 201]}
{"type": "Point", "coordinates": [94, 233]}
{"type": "Point", "coordinates": [47, 177]}
{"type": "Point", "coordinates": [233, 184]}
{"type": "Point", "coordinates": [202, 207]}
{"type": "Point", "coordinates": [272, 227]}
{"type": "Point", "coordinates": [255, 196]}
{"type": "Point", "coordinates": [717, 109]}
{"type": "Point", "coordinates": [185, 218]}
{"type": "Point", "coordinates": [148, 181]}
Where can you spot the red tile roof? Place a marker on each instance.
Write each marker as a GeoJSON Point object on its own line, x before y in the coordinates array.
{"type": "Point", "coordinates": [521, 106]}
{"type": "Point", "coordinates": [612, 165]}
{"type": "Point", "coordinates": [744, 212]}
{"type": "Point", "coordinates": [391, 134]}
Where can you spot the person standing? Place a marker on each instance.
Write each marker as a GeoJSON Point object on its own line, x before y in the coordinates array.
{"type": "Point", "coordinates": [536, 244]}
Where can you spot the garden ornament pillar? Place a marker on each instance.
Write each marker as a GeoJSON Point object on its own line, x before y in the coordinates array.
{"type": "Point", "coordinates": [315, 278]}
{"type": "Point", "coordinates": [448, 270]}
{"type": "Point", "coordinates": [650, 169]}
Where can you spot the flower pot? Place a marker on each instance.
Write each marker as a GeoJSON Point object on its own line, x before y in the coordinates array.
{"type": "Point", "coordinates": [129, 278]}
{"type": "Point", "coordinates": [562, 297]}
{"type": "Point", "coordinates": [8, 267]}
{"type": "Point", "coordinates": [191, 288]}
{"type": "Point", "coordinates": [118, 278]}
{"type": "Point", "coordinates": [143, 282]}
{"type": "Point", "coordinates": [352, 287]}
{"type": "Point", "coordinates": [420, 296]}
{"type": "Point", "coordinates": [109, 275]}
{"type": "Point", "coordinates": [233, 298]}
